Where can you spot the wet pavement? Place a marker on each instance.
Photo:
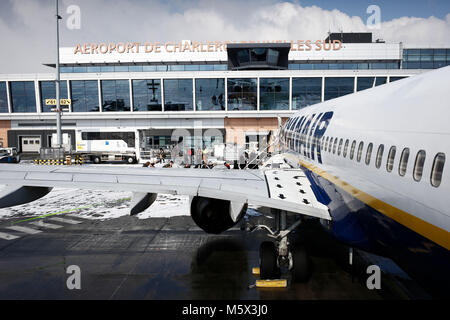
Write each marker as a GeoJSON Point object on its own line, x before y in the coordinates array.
{"type": "Point", "coordinates": [169, 258]}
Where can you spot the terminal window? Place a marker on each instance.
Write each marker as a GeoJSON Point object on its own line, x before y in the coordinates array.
{"type": "Point", "coordinates": [306, 91]}
{"type": "Point", "coordinates": [48, 91]}
{"type": "Point", "coordinates": [338, 86]}
{"type": "Point", "coordinates": [84, 95]}
{"type": "Point", "coordinates": [147, 95]}
{"type": "Point", "coordinates": [210, 94]}
{"type": "Point", "coordinates": [115, 95]}
{"type": "Point", "coordinates": [242, 94]}
{"type": "Point", "coordinates": [178, 95]}
{"type": "Point", "coordinates": [23, 96]}
{"type": "Point", "coordinates": [274, 93]}
{"type": "Point", "coordinates": [369, 82]}
{"type": "Point", "coordinates": [3, 98]}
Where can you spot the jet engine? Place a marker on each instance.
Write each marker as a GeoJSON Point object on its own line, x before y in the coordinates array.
{"type": "Point", "coordinates": [216, 215]}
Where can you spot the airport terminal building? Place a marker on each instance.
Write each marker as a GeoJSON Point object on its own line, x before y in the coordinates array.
{"type": "Point", "coordinates": [239, 89]}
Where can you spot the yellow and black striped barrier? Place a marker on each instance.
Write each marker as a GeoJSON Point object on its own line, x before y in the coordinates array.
{"type": "Point", "coordinates": [79, 160]}
{"type": "Point", "coordinates": [60, 162]}
{"type": "Point", "coordinates": [50, 162]}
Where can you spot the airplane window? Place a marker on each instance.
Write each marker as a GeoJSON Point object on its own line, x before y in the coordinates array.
{"type": "Point", "coordinates": [379, 156]}
{"type": "Point", "coordinates": [330, 144]}
{"type": "Point", "coordinates": [418, 165]}
{"type": "Point", "coordinates": [334, 145]}
{"type": "Point", "coordinates": [340, 146]}
{"type": "Point", "coordinates": [369, 153]}
{"type": "Point", "coordinates": [390, 159]}
{"type": "Point", "coordinates": [438, 167]}
{"type": "Point", "coordinates": [344, 154]}
{"type": "Point", "coordinates": [403, 162]}
{"type": "Point", "coordinates": [326, 143]}
{"type": "Point", "coordinates": [352, 149]}
{"type": "Point", "coordinates": [360, 148]}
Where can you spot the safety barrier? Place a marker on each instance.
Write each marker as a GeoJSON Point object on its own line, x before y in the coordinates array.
{"type": "Point", "coordinates": [50, 162]}
{"type": "Point", "coordinates": [79, 159]}
{"type": "Point", "coordinates": [60, 162]}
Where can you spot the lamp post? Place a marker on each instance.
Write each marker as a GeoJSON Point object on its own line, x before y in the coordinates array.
{"type": "Point", "coordinates": [58, 104]}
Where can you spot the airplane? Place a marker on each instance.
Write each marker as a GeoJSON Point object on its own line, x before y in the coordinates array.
{"type": "Point", "coordinates": [370, 167]}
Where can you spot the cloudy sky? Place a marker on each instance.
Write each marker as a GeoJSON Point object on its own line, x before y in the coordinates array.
{"type": "Point", "coordinates": [27, 27]}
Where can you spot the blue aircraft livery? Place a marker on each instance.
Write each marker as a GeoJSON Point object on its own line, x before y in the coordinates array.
{"type": "Point", "coordinates": [303, 134]}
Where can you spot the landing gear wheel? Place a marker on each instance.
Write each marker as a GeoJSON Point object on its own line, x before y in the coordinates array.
{"type": "Point", "coordinates": [301, 269]}
{"type": "Point", "coordinates": [268, 260]}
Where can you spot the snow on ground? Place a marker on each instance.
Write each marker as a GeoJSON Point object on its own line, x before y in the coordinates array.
{"type": "Point", "coordinates": [101, 204]}
{"type": "Point", "coordinates": [96, 204]}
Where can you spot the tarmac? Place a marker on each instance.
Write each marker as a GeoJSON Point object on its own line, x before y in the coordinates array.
{"type": "Point", "coordinates": [171, 259]}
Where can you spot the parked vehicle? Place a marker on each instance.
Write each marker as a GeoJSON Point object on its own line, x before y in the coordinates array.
{"type": "Point", "coordinates": [9, 155]}
{"type": "Point", "coordinates": [98, 146]}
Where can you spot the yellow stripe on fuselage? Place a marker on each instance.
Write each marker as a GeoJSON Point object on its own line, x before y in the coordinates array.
{"type": "Point", "coordinates": [426, 229]}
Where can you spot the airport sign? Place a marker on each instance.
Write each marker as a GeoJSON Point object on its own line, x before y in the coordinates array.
{"type": "Point", "coordinates": [195, 46]}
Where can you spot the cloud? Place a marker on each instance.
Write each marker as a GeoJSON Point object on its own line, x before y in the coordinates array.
{"type": "Point", "coordinates": [417, 31]}
{"type": "Point", "coordinates": [28, 26]}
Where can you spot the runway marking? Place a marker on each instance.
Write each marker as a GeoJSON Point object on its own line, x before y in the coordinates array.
{"type": "Point", "coordinates": [24, 229]}
{"type": "Point", "coordinates": [65, 220]}
{"type": "Point", "coordinates": [43, 224]}
{"type": "Point", "coordinates": [7, 236]}
{"type": "Point", "coordinates": [52, 214]}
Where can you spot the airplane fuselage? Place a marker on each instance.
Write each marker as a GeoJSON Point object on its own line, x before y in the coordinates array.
{"type": "Point", "coordinates": [378, 161]}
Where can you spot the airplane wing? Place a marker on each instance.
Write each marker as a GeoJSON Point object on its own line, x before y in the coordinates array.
{"type": "Point", "coordinates": [284, 189]}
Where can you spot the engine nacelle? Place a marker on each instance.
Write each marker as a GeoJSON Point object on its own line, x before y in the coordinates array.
{"type": "Point", "coordinates": [216, 215]}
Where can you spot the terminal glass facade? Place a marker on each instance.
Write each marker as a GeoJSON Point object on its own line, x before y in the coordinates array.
{"type": "Point", "coordinates": [84, 95]}
{"type": "Point", "coordinates": [392, 79]}
{"type": "Point", "coordinates": [345, 66]}
{"type": "Point", "coordinates": [274, 93]}
{"type": "Point", "coordinates": [425, 58]}
{"type": "Point", "coordinates": [306, 91]}
{"type": "Point", "coordinates": [147, 95]}
{"type": "Point", "coordinates": [369, 82]}
{"type": "Point", "coordinates": [178, 95]}
{"type": "Point", "coordinates": [115, 95]}
{"type": "Point", "coordinates": [3, 98]}
{"type": "Point", "coordinates": [338, 86]}
{"type": "Point", "coordinates": [210, 94]}
{"type": "Point", "coordinates": [23, 96]}
{"type": "Point", "coordinates": [242, 94]}
{"type": "Point", "coordinates": [48, 91]}
{"type": "Point", "coordinates": [146, 68]}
